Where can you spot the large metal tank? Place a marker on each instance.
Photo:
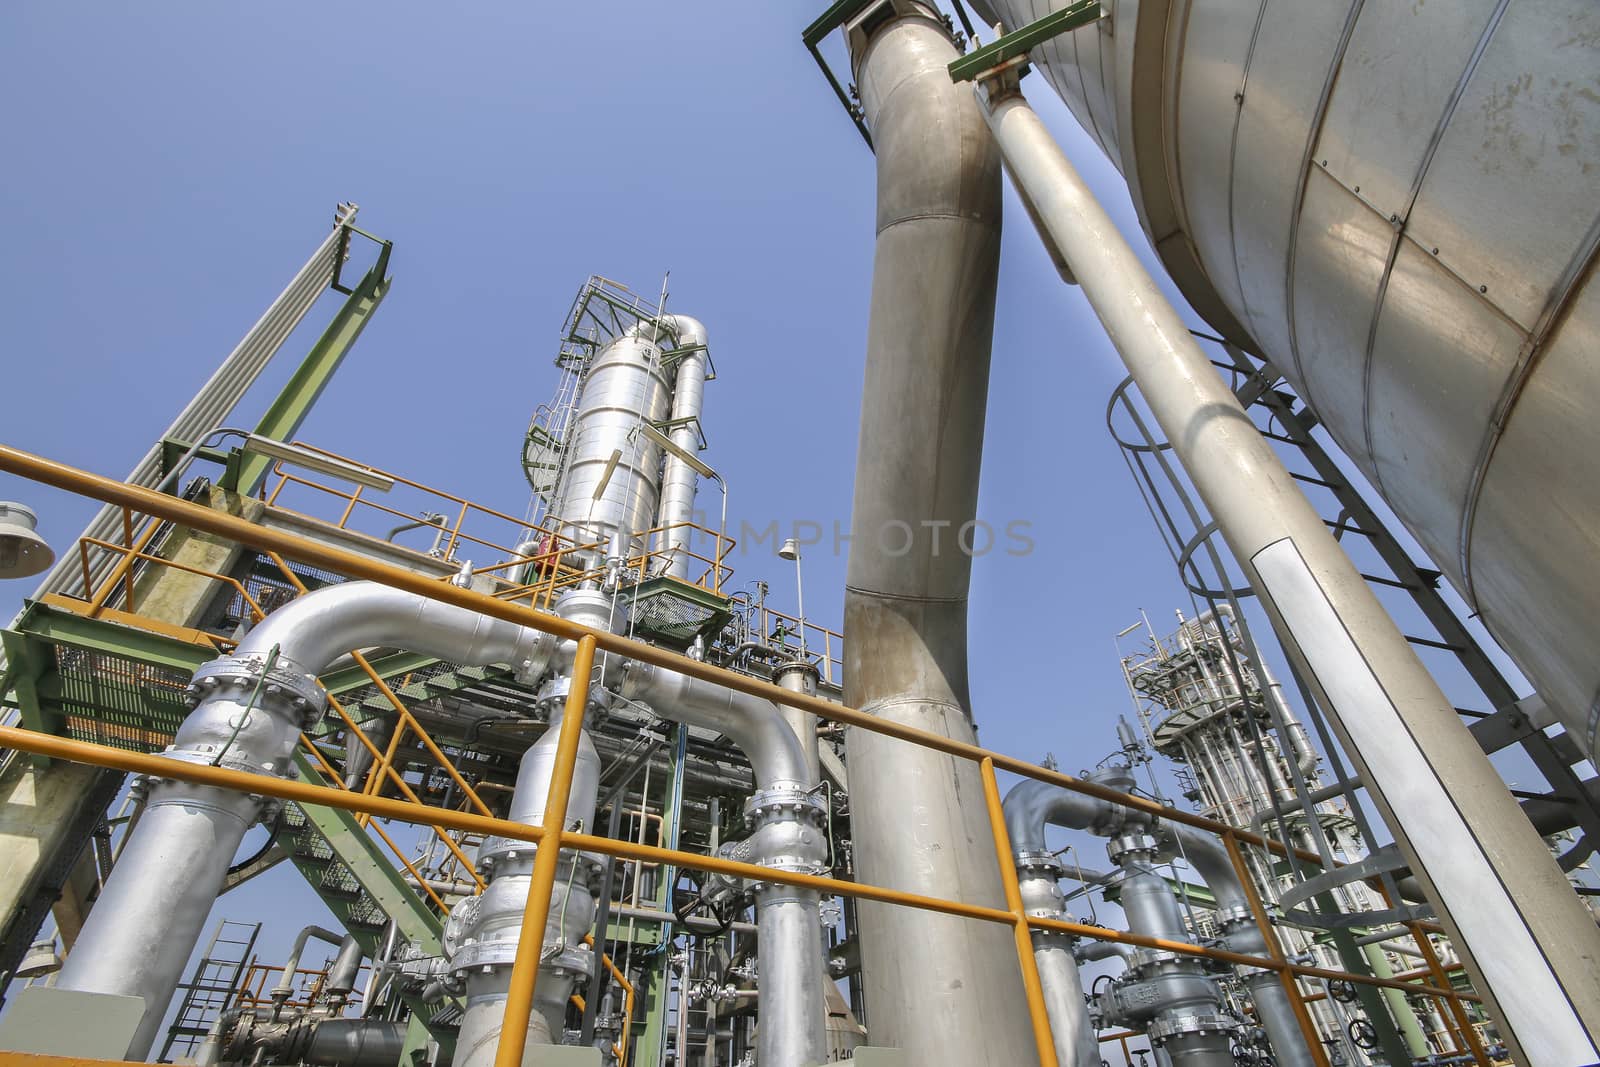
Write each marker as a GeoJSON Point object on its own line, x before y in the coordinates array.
{"type": "Point", "coordinates": [612, 478]}
{"type": "Point", "coordinates": [1398, 204]}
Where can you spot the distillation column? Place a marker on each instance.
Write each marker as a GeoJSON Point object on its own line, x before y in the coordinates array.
{"type": "Point", "coordinates": [943, 989]}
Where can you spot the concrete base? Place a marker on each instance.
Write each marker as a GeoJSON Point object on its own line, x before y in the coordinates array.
{"type": "Point", "coordinates": [66, 1022]}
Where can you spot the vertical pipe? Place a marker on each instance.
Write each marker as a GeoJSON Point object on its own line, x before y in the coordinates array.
{"type": "Point", "coordinates": [1531, 945]}
{"type": "Point", "coordinates": [944, 990]}
{"type": "Point", "coordinates": [1043, 1042]}
{"type": "Point", "coordinates": [525, 972]}
{"type": "Point", "coordinates": [678, 479]}
{"type": "Point", "coordinates": [801, 677]}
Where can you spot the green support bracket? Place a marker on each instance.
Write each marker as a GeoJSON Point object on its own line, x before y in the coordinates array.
{"type": "Point", "coordinates": [346, 679]}
{"type": "Point", "coordinates": [283, 419]}
{"type": "Point", "coordinates": [356, 849]}
{"type": "Point", "coordinates": [1019, 42]}
{"type": "Point", "coordinates": [814, 34]}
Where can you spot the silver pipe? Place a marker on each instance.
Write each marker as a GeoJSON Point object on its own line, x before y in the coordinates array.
{"type": "Point", "coordinates": [943, 989]}
{"type": "Point", "coordinates": [787, 835]}
{"type": "Point", "coordinates": [1174, 999]}
{"type": "Point", "coordinates": [346, 968]}
{"type": "Point", "coordinates": [285, 986]}
{"type": "Point", "coordinates": [801, 677]}
{"type": "Point", "coordinates": [481, 938]}
{"type": "Point", "coordinates": [1236, 919]}
{"type": "Point", "coordinates": [1531, 946]}
{"type": "Point", "coordinates": [679, 480]}
{"type": "Point", "coordinates": [252, 707]}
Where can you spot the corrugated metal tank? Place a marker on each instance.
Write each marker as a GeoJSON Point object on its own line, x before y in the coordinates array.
{"type": "Point", "coordinates": [1398, 204]}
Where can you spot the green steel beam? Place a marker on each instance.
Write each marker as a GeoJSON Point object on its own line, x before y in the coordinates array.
{"type": "Point", "coordinates": [44, 623]}
{"type": "Point", "coordinates": [345, 679]}
{"type": "Point", "coordinates": [1019, 42]}
{"type": "Point", "coordinates": [283, 419]}
{"type": "Point", "coordinates": [356, 849]}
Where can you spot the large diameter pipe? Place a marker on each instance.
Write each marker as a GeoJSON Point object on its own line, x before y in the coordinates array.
{"type": "Point", "coordinates": [1210, 859]}
{"type": "Point", "coordinates": [786, 835]}
{"type": "Point", "coordinates": [943, 990]}
{"type": "Point", "coordinates": [1532, 948]}
{"type": "Point", "coordinates": [255, 704]}
{"type": "Point", "coordinates": [679, 480]}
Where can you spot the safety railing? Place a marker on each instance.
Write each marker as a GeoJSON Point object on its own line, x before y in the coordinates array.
{"type": "Point", "coordinates": [553, 836]}
{"type": "Point", "coordinates": [253, 991]}
{"type": "Point", "coordinates": [802, 638]}
{"type": "Point", "coordinates": [383, 770]}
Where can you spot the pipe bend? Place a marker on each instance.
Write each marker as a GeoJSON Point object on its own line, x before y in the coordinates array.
{"type": "Point", "coordinates": [755, 725]}
{"type": "Point", "coordinates": [1031, 805]}
{"type": "Point", "coordinates": [316, 629]}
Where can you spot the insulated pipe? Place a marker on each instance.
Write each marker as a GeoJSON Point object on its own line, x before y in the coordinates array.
{"type": "Point", "coordinates": [786, 834]}
{"type": "Point", "coordinates": [482, 934]}
{"type": "Point", "coordinates": [679, 480]}
{"type": "Point", "coordinates": [1532, 947]}
{"type": "Point", "coordinates": [345, 969]}
{"type": "Point", "coordinates": [1028, 807]}
{"type": "Point", "coordinates": [1211, 861]}
{"type": "Point", "coordinates": [285, 986]}
{"type": "Point", "coordinates": [1174, 999]}
{"type": "Point", "coordinates": [942, 989]}
{"type": "Point", "coordinates": [254, 704]}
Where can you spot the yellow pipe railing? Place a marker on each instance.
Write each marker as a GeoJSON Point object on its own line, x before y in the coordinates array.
{"type": "Point", "coordinates": [524, 971]}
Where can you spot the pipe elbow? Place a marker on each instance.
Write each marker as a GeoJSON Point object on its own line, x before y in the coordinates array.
{"type": "Point", "coordinates": [1032, 805]}
{"type": "Point", "coordinates": [754, 724]}
{"type": "Point", "coordinates": [316, 629]}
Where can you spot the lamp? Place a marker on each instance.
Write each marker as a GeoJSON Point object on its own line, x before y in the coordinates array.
{"type": "Point", "coordinates": [312, 460]}
{"type": "Point", "coordinates": [790, 549]}
{"type": "Point", "coordinates": [22, 551]}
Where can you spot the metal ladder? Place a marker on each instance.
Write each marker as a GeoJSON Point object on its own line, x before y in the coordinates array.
{"type": "Point", "coordinates": [212, 985]}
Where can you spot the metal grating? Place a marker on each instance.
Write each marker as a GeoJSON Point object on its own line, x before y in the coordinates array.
{"type": "Point", "coordinates": [675, 612]}
{"type": "Point", "coordinates": [119, 702]}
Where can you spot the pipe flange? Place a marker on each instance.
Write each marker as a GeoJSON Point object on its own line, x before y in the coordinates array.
{"type": "Point", "coordinates": [768, 804]}
{"type": "Point", "coordinates": [1234, 916]}
{"type": "Point", "coordinates": [284, 688]}
{"type": "Point", "coordinates": [480, 956]}
{"type": "Point", "coordinates": [1036, 862]}
{"type": "Point", "coordinates": [498, 853]}
{"type": "Point", "coordinates": [1130, 844]}
{"type": "Point", "coordinates": [1143, 959]}
{"type": "Point", "coordinates": [1166, 1027]}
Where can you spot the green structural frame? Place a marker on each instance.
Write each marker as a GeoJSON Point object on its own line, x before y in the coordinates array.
{"type": "Point", "coordinates": [1018, 42]}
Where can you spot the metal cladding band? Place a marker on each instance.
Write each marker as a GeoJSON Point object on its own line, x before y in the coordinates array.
{"type": "Point", "coordinates": [1531, 946]}
{"type": "Point", "coordinates": [943, 990]}
{"type": "Point", "coordinates": [609, 485]}
{"type": "Point", "coordinates": [678, 479]}
{"type": "Point", "coordinates": [254, 705]}
{"type": "Point", "coordinates": [785, 834]}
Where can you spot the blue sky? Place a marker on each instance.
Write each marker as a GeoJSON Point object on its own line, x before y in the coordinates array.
{"type": "Point", "coordinates": [170, 166]}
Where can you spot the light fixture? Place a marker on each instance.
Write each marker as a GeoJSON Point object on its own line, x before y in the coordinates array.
{"type": "Point", "coordinates": [790, 550]}
{"type": "Point", "coordinates": [678, 450]}
{"type": "Point", "coordinates": [22, 551]}
{"type": "Point", "coordinates": [313, 460]}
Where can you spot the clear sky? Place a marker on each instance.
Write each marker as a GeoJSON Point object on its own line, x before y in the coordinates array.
{"type": "Point", "coordinates": [169, 166]}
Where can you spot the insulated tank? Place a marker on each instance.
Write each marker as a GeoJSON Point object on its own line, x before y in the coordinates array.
{"type": "Point", "coordinates": [1398, 205]}
{"type": "Point", "coordinates": [613, 473]}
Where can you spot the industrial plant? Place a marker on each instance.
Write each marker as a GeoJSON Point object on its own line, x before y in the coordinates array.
{"type": "Point", "coordinates": [573, 794]}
